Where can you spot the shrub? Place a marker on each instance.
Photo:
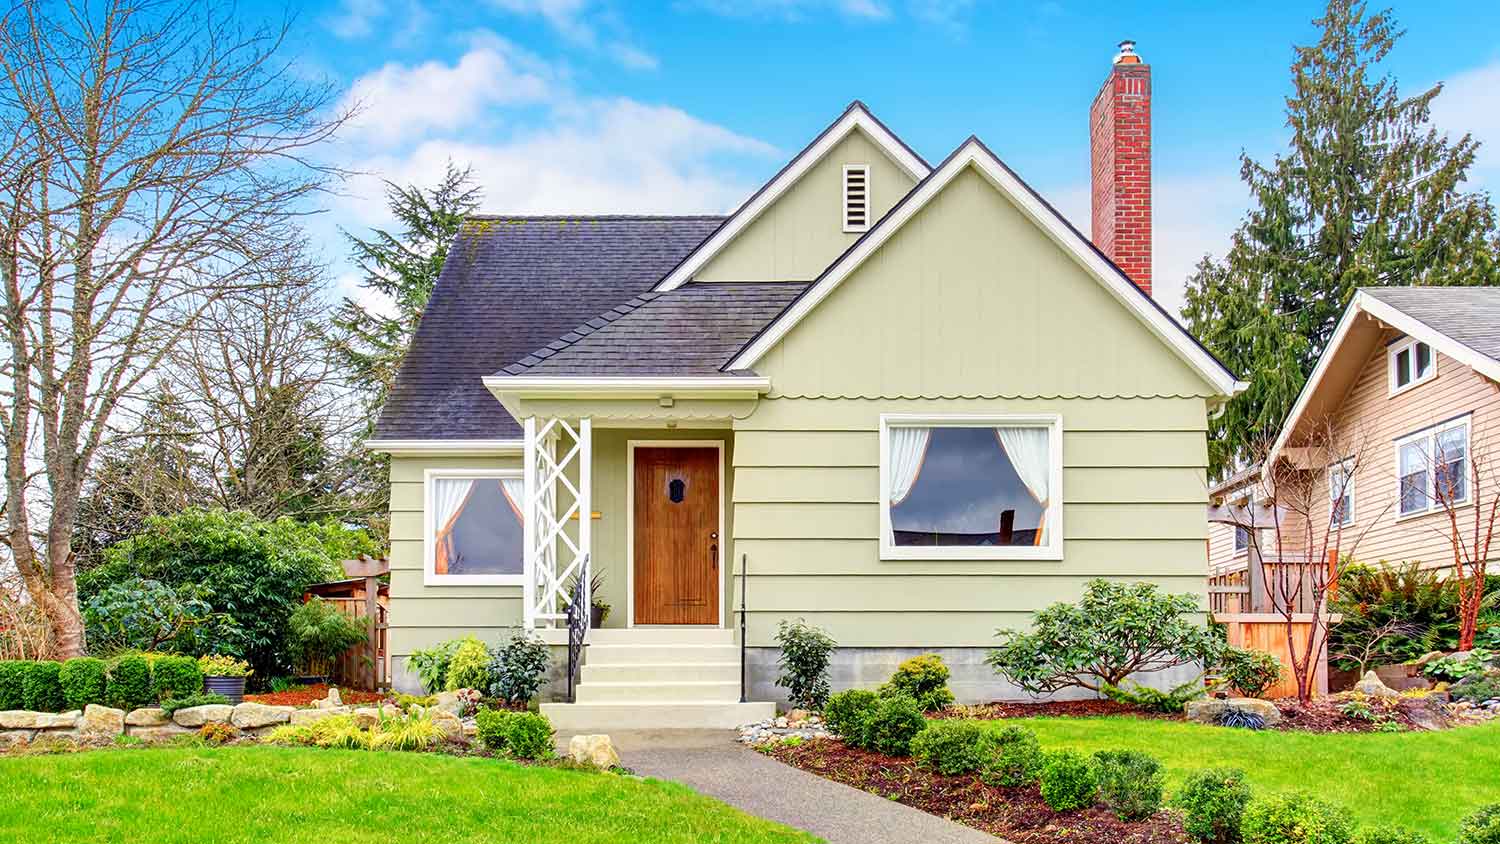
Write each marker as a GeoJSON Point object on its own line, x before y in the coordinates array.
{"type": "Point", "coordinates": [1249, 671]}
{"type": "Point", "coordinates": [175, 676]}
{"type": "Point", "coordinates": [431, 664]}
{"type": "Point", "coordinates": [1481, 827]}
{"type": "Point", "coordinates": [1113, 631]}
{"type": "Point", "coordinates": [1296, 818]}
{"type": "Point", "coordinates": [530, 736]}
{"type": "Point", "coordinates": [470, 666]}
{"type": "Point", "coordinates": [338, 731]}
{"type": "Point", "coordinates": [1172, 701]}
{"type": "Point", "coordinates": [896, 720]}
{"type": "Point", "coordinates": [1240, 718]}
{"type": "Point", "coordinates": [1478, 688]}
{"type": "Point", "coordinates": [1068, 781]}
{"type": "Point", "coordinates": [1455, 668]}
{"type": "Point", "coordinates": [1013, 757]}
{"type": "Point", "coordinates": [848, 714]}
{"type": "Point", "coordinates": [172, 704]}
{"type": "Point", "coordinates": [409, 732]}
{"type": "Point", "coordinates": [218, 732]}
{"type": "Point", "coordinates": [1390, 835]}
{"type": "Point", "coordinates": [41, 689]}
{"type": "Point", "coordinates": [923, 678]}
{"type": "Point", "coordinates": [518, 669]}
{"type": "Point", "coordinates": [492, 728]}
{"type": "Point", "coordinates": [318, 632]}
{"type": "Point", "coordinates": [1392, 613]}
{"type": "Point", "coordinates": [129, 683]}
{"type": "Point", "coordinates": [12, 680]}
{"type": "Point", "coordinates": [82, 681]}
{"type": "Point", "coordinates": [1130, 783]}
{"type": "Point", "coordinates": [950, 747]}
{"type": "Point", "coordinates": [805, 653]}
{"type": "Point", "coordinates": [138, 614]}
{"type": "Point", "coordinates": [220, 665]}
{"type": "Point", "coordinates": [1213, 801]}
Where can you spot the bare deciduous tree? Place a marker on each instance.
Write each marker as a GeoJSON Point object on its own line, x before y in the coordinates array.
{"type": "Point", "coordinates": [1461, 496]}
{"type": "Point", "coordinates": [154, 154]}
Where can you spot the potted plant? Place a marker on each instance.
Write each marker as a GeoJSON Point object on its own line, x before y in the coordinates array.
{"type": "Point", "coordinates": [225, 675]}
{"type": "Point", "coordinates": [320, 633]}
{"type": "Point", "coordinates": [598, 609]}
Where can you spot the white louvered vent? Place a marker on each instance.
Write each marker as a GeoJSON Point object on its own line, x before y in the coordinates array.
{"type": "Point", "coordinates": [856, 197]}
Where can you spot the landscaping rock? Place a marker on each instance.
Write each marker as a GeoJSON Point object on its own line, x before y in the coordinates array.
{"type": "Point", "coordinates": [61, 721]}
{"type": "Point", "coordinates": [101, 722]}
{"type": "Point", "coordinates": [158, 733]}
{"type": "Point", "coordinates": [449, 702]}
{"type": "Point", "coordinates": [366, 717]}
{"type": "Point", "coordinates": [250, 715]}
{"type": "Point", "coordinates": [451, 725]}
{"type": "Point", "coordinates": [797, 716]}
{"type": "Point", "coordinates": [151, 716]}
{"type": "Point", "coordinates": [596, 750]}
{"type": "Point", "coordinates": [301, 717]}
{"type": "Point", "coordinates": [768, 731]}
{"type": "Point", "coordinates": [18, 719]}
{"type": "Point", "coordinates": [197, 716]}
{"type": "Point", "coordinates": [15, 738]}
{"type": "Point", "coordinates": [333, 701]}
{"type": "Point", "coordinates": [1208, 710]}
{"type": "Point", "coordinates": [1429, 716]}
{"type": "Point", "coordinates": [1371, 685]}
{"type": "Point", "coordinates": [1421, 661]}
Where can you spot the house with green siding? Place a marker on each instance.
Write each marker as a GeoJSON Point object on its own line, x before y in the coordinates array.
{"type": "Point", "coordinates": [908, 403]}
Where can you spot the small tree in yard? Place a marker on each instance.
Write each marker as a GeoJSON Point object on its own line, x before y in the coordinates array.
{"type": "Point", "coordinates": [1454, 489]}
{"type": "Point", "coordinates": [1115, 630]}
{"type": "Point", "coordinates": [805, 653]}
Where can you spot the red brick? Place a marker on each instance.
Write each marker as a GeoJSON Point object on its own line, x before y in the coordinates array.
{"type": "Point", "coordinates": [1120, 166]}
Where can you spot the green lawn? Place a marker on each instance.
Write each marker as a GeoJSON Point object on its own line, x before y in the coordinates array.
{"type": "Point", "coordinates": [265, 795]}
{"type": "Point", "coordinates": [1425, 781]}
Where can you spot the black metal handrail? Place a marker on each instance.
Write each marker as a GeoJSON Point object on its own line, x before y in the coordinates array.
{"type": "Point", "coordinates": [578, 627]}
{"type": "Point", "coordinates": [744, 571]}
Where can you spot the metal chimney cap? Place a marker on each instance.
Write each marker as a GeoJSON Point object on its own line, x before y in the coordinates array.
{"type": "Point", "coordinates": [1127, 54]}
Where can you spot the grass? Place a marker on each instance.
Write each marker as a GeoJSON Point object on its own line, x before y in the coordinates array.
{"type": "Point", "coordinates": [267, 794]}
{"type": "Point", "coordinates": [1422, 781]}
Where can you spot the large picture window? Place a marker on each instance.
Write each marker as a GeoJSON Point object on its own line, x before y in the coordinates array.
{"type": "Point", "coordinates": [971, 487]}
{"type": "Point", "coordinates": [473, 527]}
{"type": "Point", "coordinates": [1432, 468]}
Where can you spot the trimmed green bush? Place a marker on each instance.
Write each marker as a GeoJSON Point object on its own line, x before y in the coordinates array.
{"type": "Point", "coordinates": [1131, 783]}
{"type": "Point", "coordinates": [1296, 818]}
{"type": "Point", "coordinates": [805, 654]}
{"type": "Point", "coordinates": [924, 679]}
{"type": "Point", "coordinates": [1213, 802]}
{"type": "Point", "coordinates": [175, 677]}
{"type": "Point", "coordinates": [950, 747]}
{"type": "Point", "coordinates": [470, 666]}
{"type": "Point", "coordinates": [1013, 757]}
{"type": "Point", "coordinates": [894, 723]}
{"type": "Point", "coordinates": [1482, 827]}
{"type": "Point", "coordinates": [1249, 671]}
{"type": "Point", "coordinates": [491, 727]}
{"type": "Point", "coordinates": [82, 681]}
{"type": "Point", "coordinates": [530, 736]}
{"type": "Point", "coordinates": [41, 688]}
{"type": "Point", "coordinates": [1068, 781]}
{"type": "Point", "coordinates": [1390, 835]}
{"type": "Point", "coordinates": [129, 684]}
{"type": "Point", "coordinates": [12, 681]}
{"type": "Point", "coordinates": [848, 714]}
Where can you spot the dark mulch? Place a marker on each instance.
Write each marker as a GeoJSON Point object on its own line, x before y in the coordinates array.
{"type": "Point", "coordinates": [1016, 814]}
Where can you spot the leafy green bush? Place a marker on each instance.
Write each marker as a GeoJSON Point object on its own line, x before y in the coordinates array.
{"type": "Point", "coordinates": [470, 666]}
{"type": "Point", "coordinates": [1113, 631]}
{"type": "Point", "coordinates": [12, 679]}
{"type": "Point", "coordinates": [897, 720]}
{"type": "Point", "coordinates": [317, 632]}
{"type": "Point", "coordinates": [1249, 671]}
{"type": "Point", "coordinates": [1171, 701]}
{"type": "Point", "coordinates": [1213, 801]}
{"type": "Point", "coordinates": [82, 681]}
{"type": "Point", "coordinates": [1130, 783]}
{"type": "Point", "coordinates": [137, 614]}
{"type": "Point", "coordinates": [1013, 757]}
{"type": "Point", "coordinates": [1391, 613]}
{"type": "Point", "coordinates": [492, 728]}
{"type": "Point", "coordinates": [1481, 827]}
{"type": "Point", "coordinates": [431, 664]}
{"type": "Point", "coordinates": [408, 732]}
{"type": "Point", "coordinates": [41, 689]}
{"type": "Point", "coordinates": [1390, 835]}
{"type": "Point", "coordinates": [518, 669]}
{"type": "Point", "coordinates": [924, 679]}
{"type": "Point", "coordinates": [1296, 818]}
{"type": "Point", "coordinates": [805, 653]}
{"type": "Point", "coordinates": [129, 683]}
{"type": "Point", "coordinates": [172, 704]}
{"type": "Point", "coordinates": [950, 747]}
{"type": "Point", "coordinates": [1454, 668]}
{"type": "Point", "coordinates": [1478, 688]}
{"type": "Point", "coordinates": [848, 714]}
{"type": "Point", "coordinates": [1068, 781]}
{"type": "Point", "coordinates": [221, 665]}
{"type": "Point", "coordinates": [529, 736]}
{"type": "Point", "coordinates": [175, 676]}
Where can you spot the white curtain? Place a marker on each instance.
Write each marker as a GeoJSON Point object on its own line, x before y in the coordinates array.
{"type": "Point", "coordinates": [448, 498]}
{"type": "Point", "coordinates": [908, 449]}
{"type": "Point", "coordinates": [515, 493]}
{"type": "Point", "coordinates": [1031, 455]}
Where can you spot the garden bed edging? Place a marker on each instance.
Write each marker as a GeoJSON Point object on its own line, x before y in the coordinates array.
{"type": "Point", "coordinates": [97, 724]}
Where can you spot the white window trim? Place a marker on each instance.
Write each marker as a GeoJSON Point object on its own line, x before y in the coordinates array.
{"type": "Point", "coordinates": [844, 207]}
{"type": "Point", "coordinates": [1051, 550]}
{"type": "Point", "coordinates": [1431, 433]}
{"type": "Point", "coordinates": [429, 546]}
{"type": "Point", "coordinates": [1397, 348]}
{"type": "Point", "coordinates": [1350, 489]}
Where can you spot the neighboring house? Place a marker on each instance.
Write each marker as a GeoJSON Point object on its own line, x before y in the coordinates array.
{"type": "Point", "coordinates": [907, 403]}
{"type": "Point", "coordinates": [1409, 384]}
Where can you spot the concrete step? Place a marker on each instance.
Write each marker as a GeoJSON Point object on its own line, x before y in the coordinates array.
{"type": "Point", "coordinates": [658, 654]}
{"type": "Point", "coordinates": [665, 715]}
{"type": "Point", "coordinates": [661, 636]}
{"type": "Point", "coordinates": [658, 692]}
{"type": "Point", "coordinates": [675, 672]}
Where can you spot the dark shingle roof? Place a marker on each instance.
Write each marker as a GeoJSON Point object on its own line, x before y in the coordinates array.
{"type": "Point", "coordinates": [1470, 315]}
{"type": "Point", "coordinates": [693, 330]}
{"type": "Point", "coordinates": [511, 285]}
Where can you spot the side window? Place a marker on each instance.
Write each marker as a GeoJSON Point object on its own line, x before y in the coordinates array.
{"type": "Point", "coordinates": [1410, 363]}
{"type": "Point", "coordinates": [474, 527]}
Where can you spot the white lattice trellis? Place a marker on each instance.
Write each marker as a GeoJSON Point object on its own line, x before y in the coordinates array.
{"type": "Point", "coordinates": [553, 557]}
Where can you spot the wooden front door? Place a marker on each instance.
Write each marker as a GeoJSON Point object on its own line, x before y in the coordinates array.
{"type": "Point", "coordinates": [677, 540]}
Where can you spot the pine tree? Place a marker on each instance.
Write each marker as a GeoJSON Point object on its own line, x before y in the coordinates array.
{"type": "Point", "coordinates": [1367, 193]}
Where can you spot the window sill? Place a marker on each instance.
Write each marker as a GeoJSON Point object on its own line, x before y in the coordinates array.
{"type": "Point", "coordinates": [1396, 391]}
{"type": "Point", "coordinates": [1406, 517]}
{"type": "Point", "coordinates": [429, 579]}
{"type": "Point", "coordinates": [959, 553]}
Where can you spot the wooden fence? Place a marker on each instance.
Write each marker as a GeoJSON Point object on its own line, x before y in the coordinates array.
{"type": "Point", "coordinates": [363, 597]}
{"type": "Point", "coordinates": [1251, 603]}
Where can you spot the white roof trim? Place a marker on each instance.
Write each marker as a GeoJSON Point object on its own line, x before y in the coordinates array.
{"type": "Point", "coordinates": [856, 117]}
{"type": "Point", "coordinates": [1395, 318]}
{"type": "Point", "coordinates": [973, 153]}
{"type": "Point", "coordinates": [440, 447]}
{"type": "Point", "coordinates": [625, 386]}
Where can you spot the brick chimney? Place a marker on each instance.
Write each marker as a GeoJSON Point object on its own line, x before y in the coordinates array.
{"type": "Point", "coordinates": [1120, 147]}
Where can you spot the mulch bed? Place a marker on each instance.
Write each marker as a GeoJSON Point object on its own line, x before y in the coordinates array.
{"type": "Point", "coordinates": [305, 695]}
{"type": "Point", "coordinates": [1016, 814]}
{"type": "Point", "coordinates": [1320, 716]}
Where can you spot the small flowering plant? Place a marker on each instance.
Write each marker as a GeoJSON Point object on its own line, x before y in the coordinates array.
{"type": "Point", "coordinates": [223, 666]}
{"type": "Point", "coordinates": [470, 699]}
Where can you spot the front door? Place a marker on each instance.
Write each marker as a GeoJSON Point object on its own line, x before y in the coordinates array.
{"type": "Point", "coordinates": [676, 535]}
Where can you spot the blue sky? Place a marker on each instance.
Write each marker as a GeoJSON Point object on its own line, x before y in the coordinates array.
{"type": "Point", "coordinates": [595, 106]}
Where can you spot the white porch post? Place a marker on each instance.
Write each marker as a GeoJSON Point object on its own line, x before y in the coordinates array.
{"type": "Point", "coordinates": [554, 553]}
{"type": "Point", "coordinates": [586, 508]}
{"type": "Point", "coordinates": [529, 524]}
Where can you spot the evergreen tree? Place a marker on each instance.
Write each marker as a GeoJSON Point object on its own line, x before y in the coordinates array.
{"type": "Point", "coordinates": [1367, 193]}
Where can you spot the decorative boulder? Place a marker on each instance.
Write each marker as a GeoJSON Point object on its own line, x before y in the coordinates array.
{"type": "Point", "coordinates": [61, 721]}
{"type": "Point", "coordinates": [14, 738]}
{"type": "Point", "coordinates": [449, 702]}
{"type": "Point", "coordinates": [333, 701]}
{"type": "Point", "coordinates": [250, 715]}
{"type": "Point", "coordinates": [18, 719]}
{"type": "Point", "coordinates": [366, 717]}
{"type": "Point", "coordinates": [1371, 685]}
{"type": "Point", "coordinates": [309, 716]}
{"type": "Point", "coordinates": [101, 722]}
{"type": "Point", "coordinates": [197, 716]}
{"type": "Point", "coordinates": [595, 750]}
{"type": "Point", "coordinates": [451, 725]}
{"type": "Point", "coordinates": [1208, 710]}
{"type": "Point", "coordinates": [161, 732]}
{"type": "Point", "coordinates": [151, 716]}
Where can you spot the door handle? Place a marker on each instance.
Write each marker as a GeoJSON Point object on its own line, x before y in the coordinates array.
{"type": "Point", "coordinates": [713, 549]}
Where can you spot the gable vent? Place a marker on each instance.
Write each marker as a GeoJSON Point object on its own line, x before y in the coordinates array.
{"type": "Point", "coordinates": [856, 197]}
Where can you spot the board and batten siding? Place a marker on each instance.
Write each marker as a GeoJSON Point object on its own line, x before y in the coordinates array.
{"type": "Point", "coordinates": [969, 309]}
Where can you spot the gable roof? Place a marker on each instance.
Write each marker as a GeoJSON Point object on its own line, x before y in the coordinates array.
{"type": "Point", "coordinates": [855, 117]}
{"type": "Point", "coordinates": [511, 285]}
{"type": "Point", "coordinates": [973, 153]}
{"type": "Point", "coordinates": [1461, 322]}
{"type": "Point", "coordinates": [691, 331]}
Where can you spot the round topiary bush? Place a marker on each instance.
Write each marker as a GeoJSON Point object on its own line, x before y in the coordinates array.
{"type": "Point", "coordinates": [82, 681]}
{"type": "Point", "coordinates": [1068, 781]}
{"type": "Point", "coordinates": [1130, 783]}
{"type": "Point", "coordinates": [1297, 818]}
{"type": "Point", "coordinates": [41, 687]}
{"type": "Point", "coordinates": [923, 678]}
{"type": "Point", "coordinates": [529, 736]}
{"type": "Point", "coordinates": [175, 676]}
{"type": "Point", "coordinates": [1213, 802]}
{"type": "Point", "coordinates": [848, 714]}
{"type": "Point", "coordinates": [894, 723]}
{"type": "Point", "coordinates": [1482, 827]}
{"type": "Point", "coordinates": [129, 684]}
{"type": "Point", "coordinates": [950, 747]}
{"type": "Point", "coordinates": [1013, 757]}
{"type": "Point", "coordinates": [1390, 835]}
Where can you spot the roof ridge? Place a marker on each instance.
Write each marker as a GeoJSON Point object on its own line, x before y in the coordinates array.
{"type": "Point", "coordinates": [578, 332]}
{"type": "Point", "coordinates": [495, 216]}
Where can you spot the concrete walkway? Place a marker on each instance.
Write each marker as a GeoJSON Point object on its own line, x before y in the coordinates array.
{"type": "Point", "coordinates": [713, 763]}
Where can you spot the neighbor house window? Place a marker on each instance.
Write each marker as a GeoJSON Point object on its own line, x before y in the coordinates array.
{"type": "Point", "coordinates": [1341, 493]}
{"type": "Point", "coordinates": [971, 487]}
{"type": "Point", "coordinates": [1241, 539]}
{"type": "Point", "coordinates": [1411, 363]}
{"type": "Point", "coordinates": [1432, 466]}
{"type": "Point", "coordinates": [473, 527]}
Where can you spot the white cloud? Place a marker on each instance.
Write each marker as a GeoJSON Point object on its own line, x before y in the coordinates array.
{"type": "Point", "coordinates": [578, 22]}
{"type": "Point", "coordinates": [794, 10]}
{"type": "Point", "coordinates": [355, 18]}
{"type": "Point", "coordinates": [1468, 104]}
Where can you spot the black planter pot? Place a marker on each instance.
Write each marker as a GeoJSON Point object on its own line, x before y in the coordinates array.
{"type": "Point", "coordinates": [596, 617]}
{"type": "Point", "coordinates": [232, 688]}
